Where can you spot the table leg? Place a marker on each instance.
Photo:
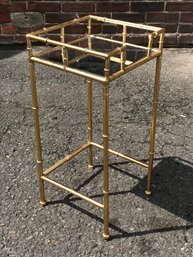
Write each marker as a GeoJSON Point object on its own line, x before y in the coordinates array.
{"type": "Point", "coordinates": [153, 126]}
{"type": "Point", "coordinates": [90, 154]}
{"type": "Point", "coordinates": [106, 234]}
{"type": "Point", "coordinates": [37, 132]}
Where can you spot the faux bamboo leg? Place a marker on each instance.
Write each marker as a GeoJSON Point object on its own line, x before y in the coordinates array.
{"type": "Point", "coordinates": [90, 154]}
{"type": "Point", "coordinates": [37, 132]}
{"type": "Point", "coordinates": [153, 126]}
{"type": "Point", "coordinates": [106, 234]}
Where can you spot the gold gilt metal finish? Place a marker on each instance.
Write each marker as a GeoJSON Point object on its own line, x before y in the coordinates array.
{"type": "Point", "coordinates": [116, 55]}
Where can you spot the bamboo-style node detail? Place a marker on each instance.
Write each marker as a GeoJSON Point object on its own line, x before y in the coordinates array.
{"type": "Point", "coordinates": [74, 52]}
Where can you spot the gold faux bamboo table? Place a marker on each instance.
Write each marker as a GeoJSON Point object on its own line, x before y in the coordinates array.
{"type": "Point", "coordinates": [72, 52]}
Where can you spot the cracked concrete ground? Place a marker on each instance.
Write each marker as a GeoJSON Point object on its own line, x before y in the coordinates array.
{"type": "Point", "coordinates": [159, 226]}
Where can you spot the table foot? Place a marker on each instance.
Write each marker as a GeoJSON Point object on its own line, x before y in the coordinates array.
{"type": "Point", "coordinates": [90, 166]}
{"type": "Point", "coordinates": [148, 193]}
{"type": "Point", "coordinates": [43, 203]}
{"type": "Point", "coordinates": [106, 236]}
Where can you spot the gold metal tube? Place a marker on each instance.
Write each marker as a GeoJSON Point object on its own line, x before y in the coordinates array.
{"type": "Point", "coordinates": [129, 24]}
{"type": "Point", "coordinates": [153, 125]}
{"type": "Point", "coordinates": [89, 33]}
{"type": "Point", "coordinates": [70, 190]}
{"type": "Point", "coordinates": [67, 158]}
{"type": "Point", "coordinates": [120, 42]}
{"type": "Point", "coordinates": [48, 63]}
{"type": "Point", "coordinates": [57, 43]}
{"type": "Point", "coordinates": [77, 58]}
{"type": "Point", "coordinates": [107, 69]}
{"type": "Point", "coordinates": [65, 57]}
{"type": "Point", "coordinates": [126, 157]}
{"type": "Point", "coordinates": [86, 74]}
{"type": "Point", "coordinates": [116, 51]}
{"type": "Point", "coordinates": [90, 154]}
{"type": "Point", "coordinates": [150, 42]}
{"type": "Point", "coordinates": [77, 40]}
{"type": "Point", "coordinates": [72, 70]}
{"type": "Point", "coordinates": [161, 42]}
{"type": "Point", "coordinates": [62, 35]}
{"type": "Point", "coordinates": [123, 53]}
{"type": "Point", "coordinates": [36, 123]}
{"type": "Point", "coordinates": [106, 234]}
{"type": "Point", "coordinates": [64, 51]}
{"type": "Point", "coordinates": [46, 51]}
{"type": "Point", "coordinates": [118, 60]}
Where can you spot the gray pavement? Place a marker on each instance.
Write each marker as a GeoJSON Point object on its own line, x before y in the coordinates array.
{"type": "Point", "coordinates": [159, 226]}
